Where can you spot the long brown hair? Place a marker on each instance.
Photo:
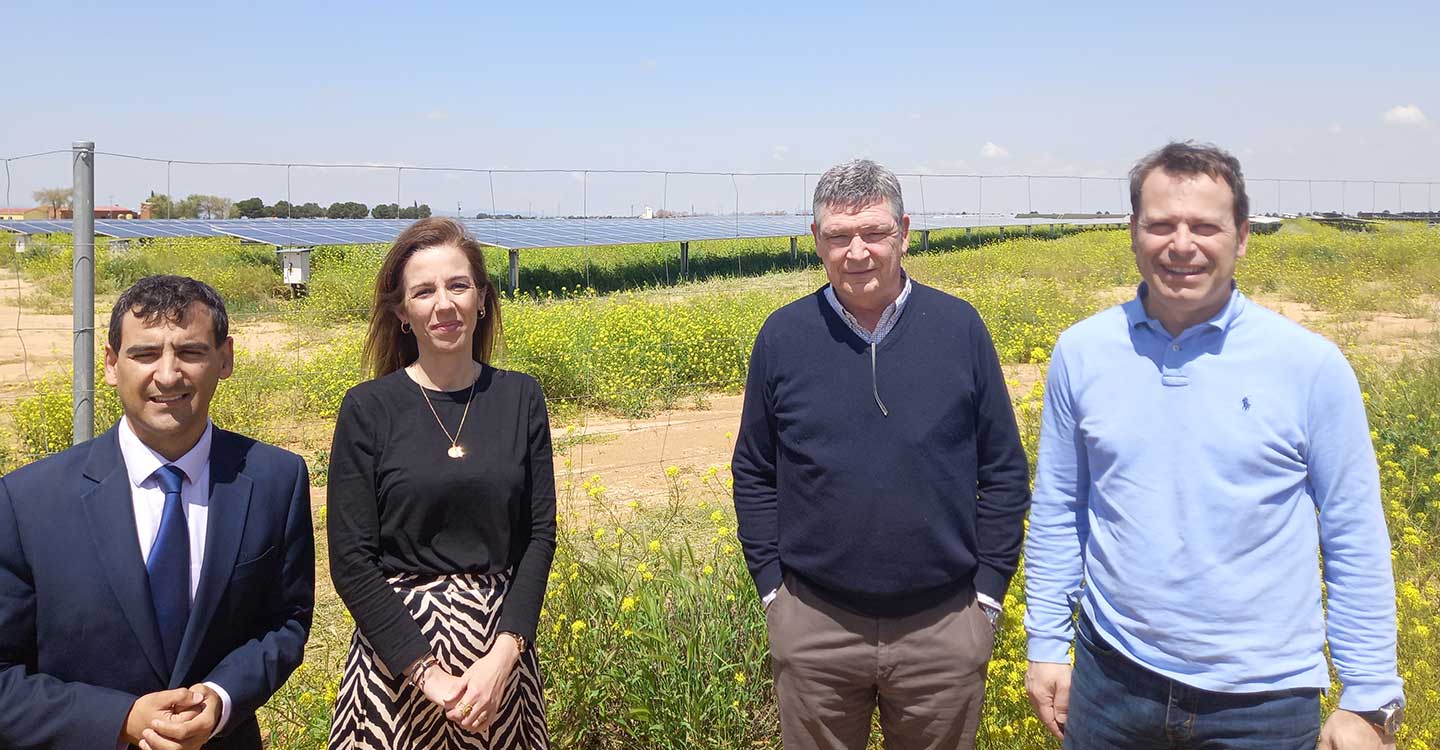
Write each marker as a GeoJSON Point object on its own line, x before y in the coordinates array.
{"type": "Point", "coordinates": [387, 348]}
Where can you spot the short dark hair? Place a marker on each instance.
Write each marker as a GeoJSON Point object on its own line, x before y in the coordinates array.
{"type": "Point", "coordinates": [1191, 158]}
{"type": "Point", "coordinates": [168, 297]}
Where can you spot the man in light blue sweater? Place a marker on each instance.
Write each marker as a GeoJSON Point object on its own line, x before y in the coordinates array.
{"type": "Point", "coordinates": [1197, 454]}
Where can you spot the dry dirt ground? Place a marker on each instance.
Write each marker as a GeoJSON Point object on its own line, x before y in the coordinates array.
{"type": "Point", "coordinates": [629, 456]}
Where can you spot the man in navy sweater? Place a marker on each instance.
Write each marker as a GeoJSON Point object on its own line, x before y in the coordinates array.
{"type": "Point", "coordinates": [880, 487]}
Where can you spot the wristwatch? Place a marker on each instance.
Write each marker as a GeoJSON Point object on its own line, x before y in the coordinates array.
{"type": "Point", "coordinates": [1386, 717]}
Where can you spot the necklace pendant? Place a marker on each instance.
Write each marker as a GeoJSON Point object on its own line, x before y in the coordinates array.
{"type": "Point", "coordinates": [456, 451]}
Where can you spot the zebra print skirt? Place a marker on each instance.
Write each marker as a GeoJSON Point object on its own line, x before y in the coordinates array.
{"type": "Point", "coordinates": [375, 710]}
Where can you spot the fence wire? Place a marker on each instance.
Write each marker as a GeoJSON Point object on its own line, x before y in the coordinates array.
{"type": "Point", "coordinates": [587, 418]}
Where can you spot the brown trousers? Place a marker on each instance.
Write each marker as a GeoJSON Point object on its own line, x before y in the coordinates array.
{"type": "Point", "coordinates": [925, 672]}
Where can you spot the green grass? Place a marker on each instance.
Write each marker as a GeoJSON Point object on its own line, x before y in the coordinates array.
{"type": "Point", "coordinates": [683, 664]}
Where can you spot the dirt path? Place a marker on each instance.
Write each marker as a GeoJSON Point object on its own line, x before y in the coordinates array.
{"type": "Point", "coordinates": [629, 456]}
{"type": "Point", "coordinates": [31, 344]}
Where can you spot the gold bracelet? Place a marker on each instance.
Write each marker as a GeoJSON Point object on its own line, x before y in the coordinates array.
{"type": "Point", "coordinates": [417, 676]}
{"type": "Point", "coordinates": [520, 644]}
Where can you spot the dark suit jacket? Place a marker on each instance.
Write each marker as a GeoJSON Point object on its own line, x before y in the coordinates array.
{"type": "Point", "coordinates": [78, 639]}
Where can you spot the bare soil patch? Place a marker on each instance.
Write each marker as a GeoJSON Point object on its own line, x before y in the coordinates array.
{"type": "Point", "coordinates": [629, 456]}
{"type": "Point", "coordinates": [32, 344]}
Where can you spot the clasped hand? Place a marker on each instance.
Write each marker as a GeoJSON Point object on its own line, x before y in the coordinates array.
{"type": "Point", "coordinates": [180, 719]}
{"type": "Point", "coordinates": [472, 699]}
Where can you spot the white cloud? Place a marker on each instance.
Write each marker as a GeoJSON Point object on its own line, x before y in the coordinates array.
{"type": "Point", "coordinates": [915, 116]}
{"type": "Point", "coordinates": [650, 65]}
{"type": "Point", "coordinates": [437, 115]}
{"type": "Point", "coordinates": [780, 152]}
{"type": "Point", "coordinates": [1408, 114]}
{"type": "Point", "coordinates": [992, 151]}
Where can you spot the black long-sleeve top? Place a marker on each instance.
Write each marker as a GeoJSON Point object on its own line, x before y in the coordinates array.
{"type": "Point", "coordinates": [884, 514]}
{"type": "Point", "coordinates": [399, 504]}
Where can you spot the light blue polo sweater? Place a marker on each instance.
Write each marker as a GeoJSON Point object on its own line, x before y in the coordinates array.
{"type": "Point", "coordinates": [1192, 484]}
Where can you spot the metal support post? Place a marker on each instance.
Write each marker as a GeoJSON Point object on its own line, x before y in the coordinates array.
{"type": "Point", "coordinates": [794, 251]}
{"type": "Point", "coordinates": [925, 240]}
{"type": "Point", "coordinates": [514, 271]}
{"type": "Point", "coordinates": [82, 204]}
{"type": "Point", "coordinates": [685, 260]}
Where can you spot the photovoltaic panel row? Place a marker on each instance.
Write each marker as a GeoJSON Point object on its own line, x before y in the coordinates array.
{"type": "Point", "coordinates": [316, 232]}
{"type": "Point", "coordinates": [36, 227]}
{"type": "Point", "coordinates": [533, 233]}
{"type": "Point", "coordinates": [510, 233]}
{"type": "Point", "coordinates": [121, 228]}
{"type": "Point", "coordinates": [147, 228]}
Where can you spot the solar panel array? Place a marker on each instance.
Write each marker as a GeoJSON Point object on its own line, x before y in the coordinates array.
{"type": "Point", "coordinates": [509, 233]}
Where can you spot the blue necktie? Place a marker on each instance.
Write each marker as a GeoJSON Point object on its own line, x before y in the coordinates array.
{"type": "Point", "coordinates": [169, 565]}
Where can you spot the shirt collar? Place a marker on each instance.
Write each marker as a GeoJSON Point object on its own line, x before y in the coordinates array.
{"type": "Point", "coordinates": [141, 460]}
{"type": "Point", "coordinates": [891, 311]}
{"type": "Point", "coordinates": [1221, 321]}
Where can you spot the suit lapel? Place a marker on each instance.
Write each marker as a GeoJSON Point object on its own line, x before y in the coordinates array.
{"type": "Point", "coordinates": [110, 512]}
{"type": "Point", "coordinates": [229, 505]}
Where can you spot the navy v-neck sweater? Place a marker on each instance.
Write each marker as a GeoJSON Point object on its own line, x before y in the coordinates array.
{"type": "Point", "coordinates": [883, 514]}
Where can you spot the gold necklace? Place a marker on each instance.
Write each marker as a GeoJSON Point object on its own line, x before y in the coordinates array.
{"type": "Point", "coordinates": [456, 450]}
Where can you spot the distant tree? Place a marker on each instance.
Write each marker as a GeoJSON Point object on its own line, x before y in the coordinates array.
{"type": "Point", "coordinates": [281, 210]}
{"type": "Point", "coordinates": [190, 207]}
{"type": "Point", "coordinates": [213, 207]}
{"type": "Point", "coordinates": [161, 206]}
{"type": "Point", "coordinates": [386, 211]}
{"type": "Point", "coordinates": [309, 211]}
{"type": "Point", "coordinates": [54, 198]}
{"type": "Point", "coordinates": [347, 210]}
{"type": "Point", "coordinates": [415, 211]}
{"type": "Point", "coordinates": [251, 208]}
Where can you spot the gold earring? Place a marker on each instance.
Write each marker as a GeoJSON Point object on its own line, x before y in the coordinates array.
{"type": "Point", "coordinates": [482, 313]}
{"type": "Point", "coordinates": [405, 327]}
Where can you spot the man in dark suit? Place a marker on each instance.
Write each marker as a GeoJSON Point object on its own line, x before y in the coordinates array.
{"type": "Point", "coordinates": [157, 582]}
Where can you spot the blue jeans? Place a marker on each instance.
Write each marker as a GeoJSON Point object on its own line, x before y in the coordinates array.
{"type": "Point", "coordinates": [1115, 704]}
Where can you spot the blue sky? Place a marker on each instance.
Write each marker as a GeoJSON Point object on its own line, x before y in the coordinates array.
{"type": "Point", "coordinates": [1294, 89]}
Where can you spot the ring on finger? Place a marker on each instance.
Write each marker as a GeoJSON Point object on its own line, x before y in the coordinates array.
{"type": "Point", "coordinates": [465, 709]}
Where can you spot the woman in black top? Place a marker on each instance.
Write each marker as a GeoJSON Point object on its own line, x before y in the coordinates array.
{"type": "Point", "coordinates": [441, 514]}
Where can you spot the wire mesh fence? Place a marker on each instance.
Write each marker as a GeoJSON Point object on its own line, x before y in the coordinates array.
{"type": "Point", "coordinates": [298, 356]}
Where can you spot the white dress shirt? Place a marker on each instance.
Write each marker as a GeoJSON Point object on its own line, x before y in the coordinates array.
{"type": "Point", "coordinates": [141, 462]}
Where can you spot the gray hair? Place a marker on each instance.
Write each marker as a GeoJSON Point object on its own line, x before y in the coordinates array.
{"type": "Point", "coordinates": [857, 184]}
